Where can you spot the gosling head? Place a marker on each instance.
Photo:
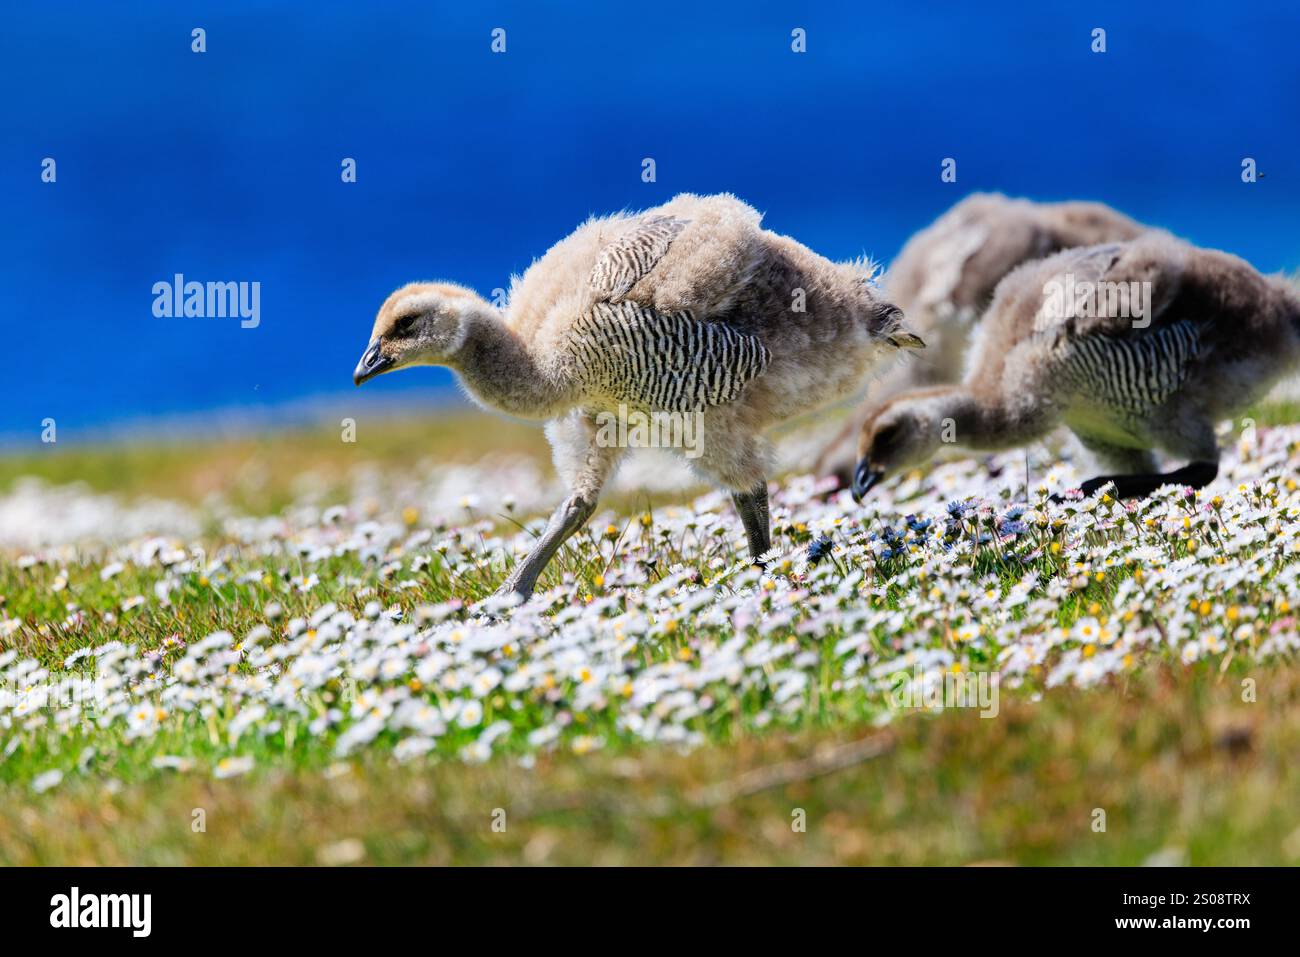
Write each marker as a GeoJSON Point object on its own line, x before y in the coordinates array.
{"type": "Point", "coordinates": [422, 324]}
{"type": "Point", "coordinates": [907, 430]}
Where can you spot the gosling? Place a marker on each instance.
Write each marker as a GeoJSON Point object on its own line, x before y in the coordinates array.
{"type": "Point", "coordinates": [1133, 346]}
{"type": "Point", "coordinates": [691, 308]}
{"type": "Point", "coordinates": [944, 279]}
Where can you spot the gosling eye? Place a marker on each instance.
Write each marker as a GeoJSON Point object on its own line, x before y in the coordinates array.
{"type": "Point", "coordinates": [404, 326]}
{"type": "Point", "coordinates": [887, 438]}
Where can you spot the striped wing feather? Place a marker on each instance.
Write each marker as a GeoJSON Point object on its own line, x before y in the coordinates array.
{"type": "Point", "coordinates": [624, 262]}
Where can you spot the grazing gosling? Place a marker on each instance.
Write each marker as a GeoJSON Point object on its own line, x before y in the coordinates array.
{"type": "Point", "coordinates": [691, 308]}
{"type": "Point", "coordinates": [1079, 339]}
{"type": "Point", "coordinates": [944, 278]}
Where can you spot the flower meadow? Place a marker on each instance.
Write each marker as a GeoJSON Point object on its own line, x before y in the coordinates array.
{"type": "Point", "coordinates": [370, 626]}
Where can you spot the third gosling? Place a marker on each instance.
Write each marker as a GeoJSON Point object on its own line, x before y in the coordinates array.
{"type": "Point", "coordinates": [945, 277]}
{"type": "Point", "coordinates": [1133, 346]}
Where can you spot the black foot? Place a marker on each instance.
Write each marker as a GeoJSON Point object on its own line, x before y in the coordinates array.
{"type": "Point", "coordinates": [1095, 485]}
{"type": "Point", "coordinates": [1194, 475]}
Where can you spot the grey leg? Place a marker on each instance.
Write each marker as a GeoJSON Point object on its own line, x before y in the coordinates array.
{"type": "Point", "coordinates": [565, 520]}
{"type": "Point", "coordinates": [585, 464]}
{"type": "Point", "coordinates": [752, 506]}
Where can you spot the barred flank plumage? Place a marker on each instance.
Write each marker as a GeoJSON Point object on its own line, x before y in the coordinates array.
{"type": "Point", "coordinates": [1132, 375]}
{"type": "Point", "coordinates": [670, 363]}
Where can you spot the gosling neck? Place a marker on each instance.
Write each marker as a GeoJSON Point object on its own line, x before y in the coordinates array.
{"type": "Point", "coordinates": [981, 423]}
{"type": "Point", "coordinates": [499, 370]}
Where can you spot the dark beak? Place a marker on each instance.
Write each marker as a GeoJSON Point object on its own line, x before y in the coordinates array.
{"type": "Point", "coordinates": [372, 363]}
{"type": "Point", "coordinates": [864, 479]}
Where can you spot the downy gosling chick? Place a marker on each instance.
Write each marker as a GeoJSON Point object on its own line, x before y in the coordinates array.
{"type": "Point", "coordinates": [1133, 346]}
{"type": "Point", "coordinates": [691, 308]}
{"type": "Point", "coordinates": [944, 279]}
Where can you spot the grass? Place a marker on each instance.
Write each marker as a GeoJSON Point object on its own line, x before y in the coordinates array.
{"type": "Point", "coordinates": [1178, 763]}
{"type": "Point", "coordinates": [1168, 749]}
{"type": "Point", "coordinates": [257, 473]}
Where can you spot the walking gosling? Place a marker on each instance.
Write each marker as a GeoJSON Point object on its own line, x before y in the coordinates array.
{"type": "Point", "coordinates": [944, 279]}
{"type": "Point", "coordinates": [689, 308]}
{"type": "Point", "coordinates": [1211, 339]}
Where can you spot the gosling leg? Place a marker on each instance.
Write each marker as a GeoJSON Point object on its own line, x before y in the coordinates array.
{"type": "Point", "coordinates": [570, 516]}
{"type": "Point", "coordinates": [752, 506]}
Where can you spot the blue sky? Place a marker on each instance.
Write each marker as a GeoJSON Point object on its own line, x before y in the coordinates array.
{"type": "Point", "coordinates": [225, 165]}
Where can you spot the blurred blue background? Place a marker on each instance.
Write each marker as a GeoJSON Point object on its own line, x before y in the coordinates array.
{"type": "Point", "coordinates": [226, 165]}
